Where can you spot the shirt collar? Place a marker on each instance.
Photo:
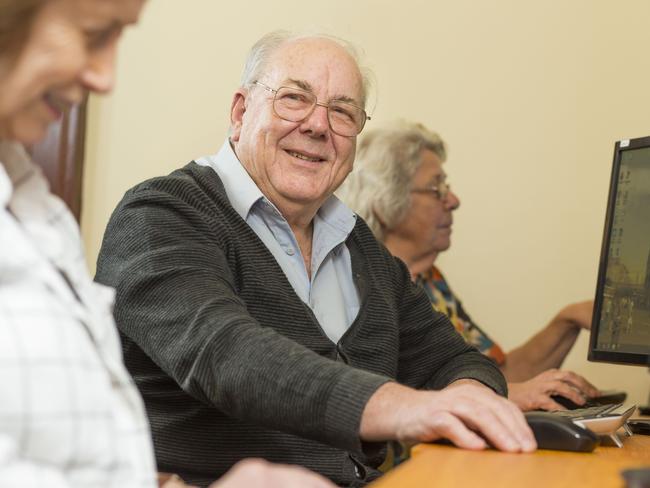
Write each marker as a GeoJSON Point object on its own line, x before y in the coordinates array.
{"type": "Point", "coordinates": [241, 190]}
{"type": "Point", "coordinates": [14, 167]}
{"type": "Point", "coordinates": [243, 193]}
{"type": "Point", "coordinates": [337, 215]}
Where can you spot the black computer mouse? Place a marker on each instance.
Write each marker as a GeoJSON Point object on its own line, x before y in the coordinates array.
{"type": "Point", "coordinates": [560, 433]}
{"type": "Point", "coordinates": [567, 403]}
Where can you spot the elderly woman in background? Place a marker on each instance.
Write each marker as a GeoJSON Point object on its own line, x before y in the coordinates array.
{"type": "Point", "coordinates": [399, 188]}
{"type": "Point", "coordinates": [69, 413]}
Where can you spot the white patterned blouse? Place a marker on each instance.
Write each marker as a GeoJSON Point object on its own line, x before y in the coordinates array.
{"type": "Point", "coordinates": [70, 415]}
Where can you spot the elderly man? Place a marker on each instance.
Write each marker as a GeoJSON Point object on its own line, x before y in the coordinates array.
{"type": "Point", "coordinates": [261, 318]}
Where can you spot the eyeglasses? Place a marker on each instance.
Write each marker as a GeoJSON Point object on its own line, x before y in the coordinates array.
{"type": "Point", "coordinates": [295, 105]}
{"type": "Point", "coordinates": [440, 191]}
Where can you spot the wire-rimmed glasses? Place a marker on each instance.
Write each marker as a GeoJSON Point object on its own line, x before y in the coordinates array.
{"type": "Point", "coordinates": [295, 105]}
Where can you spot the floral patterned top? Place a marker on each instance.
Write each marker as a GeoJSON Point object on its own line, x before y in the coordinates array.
{"type": "Point", "coordinates": [444, 300]}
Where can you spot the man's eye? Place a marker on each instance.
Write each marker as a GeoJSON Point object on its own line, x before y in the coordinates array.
{"type": "Point", "coordinates": [342, 112]}
{"type": "Point", "coordinates": [295, 97]}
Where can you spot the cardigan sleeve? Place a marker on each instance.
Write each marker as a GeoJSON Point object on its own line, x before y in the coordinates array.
{"type": "Point", "coordinates": [432, 354]}
{"type": "Point", "coordinates": [176, 299]}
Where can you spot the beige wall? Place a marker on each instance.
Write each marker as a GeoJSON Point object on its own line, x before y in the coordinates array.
{"type": "Point", "coordinates": [529, 95]}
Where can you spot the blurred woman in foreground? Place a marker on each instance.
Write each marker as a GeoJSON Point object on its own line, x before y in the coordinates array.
{"type": "Point", "coordinates": [400, 189]}
{"type": "Point", "coordinates": [69, 413]}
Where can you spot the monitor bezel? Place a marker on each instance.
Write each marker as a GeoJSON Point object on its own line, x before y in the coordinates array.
{"type": "Point", "coordinates": [595, 354]}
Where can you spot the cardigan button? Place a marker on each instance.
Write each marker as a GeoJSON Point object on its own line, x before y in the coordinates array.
{"type": "Point", "coordinates": [359, 470]}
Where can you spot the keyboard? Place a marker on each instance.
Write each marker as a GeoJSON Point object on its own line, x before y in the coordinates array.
{"type": "Point", "coordinates": [593, 411]}
{"type": "Point", "coordinates": [600, 419]}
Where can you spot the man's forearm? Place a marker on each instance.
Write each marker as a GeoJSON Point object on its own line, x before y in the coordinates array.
{"type": "Point", "coordinates": [378, 421]}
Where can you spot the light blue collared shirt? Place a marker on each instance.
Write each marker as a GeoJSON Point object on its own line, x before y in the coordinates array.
{"type": "Point", "coordinates": [330, 293]}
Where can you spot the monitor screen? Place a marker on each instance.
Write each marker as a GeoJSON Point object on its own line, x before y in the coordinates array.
{"type": "Point", "coordinates": [621, 323]}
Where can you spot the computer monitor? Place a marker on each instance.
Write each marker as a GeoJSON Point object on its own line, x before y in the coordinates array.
{"type": "Point", "coordinates": [621, 323]}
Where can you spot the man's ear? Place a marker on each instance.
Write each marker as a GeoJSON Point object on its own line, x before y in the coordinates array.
{"type": "Point", "coordinates": [237, 110]}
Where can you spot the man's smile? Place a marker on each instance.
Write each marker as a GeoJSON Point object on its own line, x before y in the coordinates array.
{"type": "Point", "coordinates": [305, 156]}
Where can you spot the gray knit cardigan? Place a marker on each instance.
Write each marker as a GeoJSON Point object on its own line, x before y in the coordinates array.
{"type": "Point", "coordinates": [232, 364]}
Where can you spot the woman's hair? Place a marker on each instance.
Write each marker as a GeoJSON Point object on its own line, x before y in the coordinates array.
{"type": "Point", "coordinates": [387, 158]}
{"type": "Point", "coordinates": [264, 48]}
{"type": "Point", "coordinates": [15, 20]}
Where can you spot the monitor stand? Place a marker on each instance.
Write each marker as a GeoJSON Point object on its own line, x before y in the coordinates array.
{"type": "Point", "coordinates": [645, 409]}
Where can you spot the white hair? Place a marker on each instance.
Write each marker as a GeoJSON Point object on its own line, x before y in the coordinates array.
{"type": "Point", "coordinates": [264, 48]}
{"type": "Point", "coordinates": [378, 189]}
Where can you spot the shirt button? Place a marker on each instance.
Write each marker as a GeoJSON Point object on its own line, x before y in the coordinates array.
{"type": "Point", "coordinates": [290, 251]}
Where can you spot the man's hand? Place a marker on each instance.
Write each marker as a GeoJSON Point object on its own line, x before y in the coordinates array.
{"type": "Point", "coordinates": [466, 412]}
{"type": "Point", "coordinates": [257, 473]}
{"type": "Point", "coordinates": [536, 393]}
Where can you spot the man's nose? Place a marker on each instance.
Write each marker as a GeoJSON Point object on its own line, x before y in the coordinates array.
{"type": "Point", "coordinates": [317, 124]}
{"type": "Point", "coordinates": [99, 73]}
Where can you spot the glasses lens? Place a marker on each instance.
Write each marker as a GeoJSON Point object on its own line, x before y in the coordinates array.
{"type": "Point", "coordinates": [293, 104]}
{"type": "Point", "coordinates": [346, 119]}
{"type": "Point", "coordinates": [443, 190]}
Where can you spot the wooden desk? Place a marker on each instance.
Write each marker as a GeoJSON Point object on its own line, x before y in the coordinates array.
{"type": "Point", "coordinates": [438, 465]}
